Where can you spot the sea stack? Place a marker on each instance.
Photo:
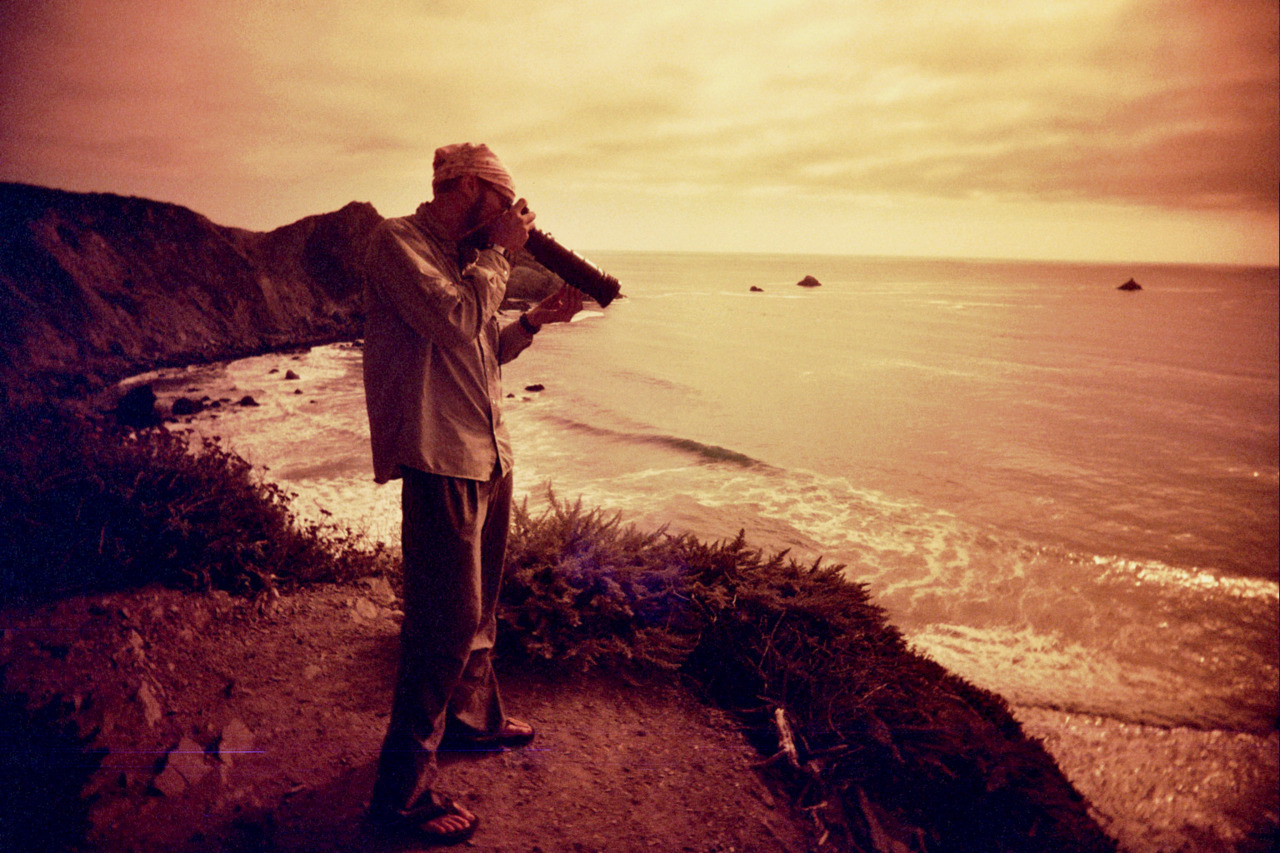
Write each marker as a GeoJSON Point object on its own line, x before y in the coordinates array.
{"type": "Point", "coordinates": [809, 281]}
{"type": "Point", "coordinates": [1130, 285]}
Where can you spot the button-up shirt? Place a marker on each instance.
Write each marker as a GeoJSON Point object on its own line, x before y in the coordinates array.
{"type": "Point", "coordinates": [432, 350]}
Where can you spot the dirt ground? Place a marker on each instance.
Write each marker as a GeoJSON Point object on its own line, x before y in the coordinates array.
{"type": "Point", "coordinates": [232, 725]}
{"type": "Point", "coordinates": [238, 725]}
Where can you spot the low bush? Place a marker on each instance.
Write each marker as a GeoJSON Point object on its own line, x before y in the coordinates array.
{"type": "Point", "coordinates": [887, 749]}
{"type": "Point", "coordinates": [88, 504]}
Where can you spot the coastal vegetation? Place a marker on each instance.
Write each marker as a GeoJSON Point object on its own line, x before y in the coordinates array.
{"type": "Point", "coordinates": [87, 504]}
{"type": "Point", "coordinates": [883, 748]}
{"type": "Point", "coordinates": [886, 750]}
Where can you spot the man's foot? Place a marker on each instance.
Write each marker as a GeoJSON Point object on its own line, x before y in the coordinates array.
{"type": "Point", "coordinates": [511, 733]}
{"type": "Point", "coordinates": [453, 826]}
{"type": "Point", "coordinates": [438, 824]}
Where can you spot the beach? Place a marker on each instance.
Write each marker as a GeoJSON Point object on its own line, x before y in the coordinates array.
{"type": "Point", "coordinates": [1158, 789]}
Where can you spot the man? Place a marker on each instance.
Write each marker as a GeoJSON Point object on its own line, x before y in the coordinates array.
{"type": "Point", "coordinates": [433, 346]}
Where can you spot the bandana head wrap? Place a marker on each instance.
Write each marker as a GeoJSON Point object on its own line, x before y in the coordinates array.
{"type": "Point", "coordinates": [454, 161]}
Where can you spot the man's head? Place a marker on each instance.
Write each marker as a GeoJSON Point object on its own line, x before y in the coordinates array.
{"type": "Point", "coordinates": [471, 187]}
{"type": "Point", "coordinates": [457, 161]}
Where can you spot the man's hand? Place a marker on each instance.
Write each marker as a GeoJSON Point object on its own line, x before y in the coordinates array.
{"type": "Point", "coordinates": [559, 307]}
{"type": "Point", "coordinates": [511, 229]}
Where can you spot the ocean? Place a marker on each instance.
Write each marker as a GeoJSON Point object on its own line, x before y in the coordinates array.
{"type": "Point", "coordinates": [1063, 492]}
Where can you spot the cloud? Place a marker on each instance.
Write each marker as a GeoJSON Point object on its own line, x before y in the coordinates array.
{"type": "Point", "coordinates": [1060, 103]}
{"type": "Point", "coordinates": [261, 111]}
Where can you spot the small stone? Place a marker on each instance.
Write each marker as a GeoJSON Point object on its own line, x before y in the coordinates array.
{"type": "Point", "coordinates": [379, 589]}
{"type": "Point", "coordinates": [290, 375]}
{"type": "Point", "coordinates": [169, 782]}
{"type": "Point", "coordinates": [365, 609]}
{"type": "Point", "coordinates": [236, 740]}
{"type": "Point", "coordinates": [183, 766]}
{"type": "Point", "coordinates": [312, 672]}
{"type": "Point", "coordinates": [152, 711]}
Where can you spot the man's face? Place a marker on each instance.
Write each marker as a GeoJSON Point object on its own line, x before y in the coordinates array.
{"type": "Point", "coordinates": [487, 205]}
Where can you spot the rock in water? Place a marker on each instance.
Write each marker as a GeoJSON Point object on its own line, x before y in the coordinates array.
{"type": "Point", "coordinates": [183, 406]}
{"type": "Point", "coordinates": [808, 281]}
{"type": "Point", "coordinates": [1130, 285]}
{"type": "Point", "coordinates": [137, 408]}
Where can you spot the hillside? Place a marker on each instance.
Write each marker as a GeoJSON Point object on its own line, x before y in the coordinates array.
{"type": "Point", "coordinates": [95, 286]}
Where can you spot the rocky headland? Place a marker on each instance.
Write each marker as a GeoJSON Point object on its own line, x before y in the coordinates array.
{"type": "Point", "coordinates": [96, 286]}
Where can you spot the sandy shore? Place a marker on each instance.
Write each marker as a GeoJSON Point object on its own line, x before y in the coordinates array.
{"type": "Point", "coordinates": [1168, 789]}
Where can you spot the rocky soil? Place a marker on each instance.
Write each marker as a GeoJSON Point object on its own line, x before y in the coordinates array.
{"type": "Point", "coordinates": [233, 725]}
{"type": "Point", "coordinates": [216, 723]}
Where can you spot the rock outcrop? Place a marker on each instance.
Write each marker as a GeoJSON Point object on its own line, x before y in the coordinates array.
{"type": "Point", "coordinates": [94, 286]}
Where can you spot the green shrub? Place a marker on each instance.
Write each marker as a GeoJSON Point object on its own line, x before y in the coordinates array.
{"type": "Point", "coordinates": [889, 748]}
{"type": "Point", "coordinates": [584, 592]}
{"type": "Point", "coordinates": [86, 504]}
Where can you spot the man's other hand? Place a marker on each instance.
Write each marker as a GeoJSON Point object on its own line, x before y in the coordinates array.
{"type": "Point", "coordinates": [559, 307]}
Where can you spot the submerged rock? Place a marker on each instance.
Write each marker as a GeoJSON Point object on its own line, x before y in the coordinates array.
{"type": "Point", "coordinates": [1130, 285]}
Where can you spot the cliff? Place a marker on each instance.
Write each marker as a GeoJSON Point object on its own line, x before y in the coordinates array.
{"type": "Point", "coordinates": [94, 286]}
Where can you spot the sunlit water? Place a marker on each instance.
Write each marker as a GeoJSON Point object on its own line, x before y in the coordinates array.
{"type": "Point", "coordinates": [1065, 493]}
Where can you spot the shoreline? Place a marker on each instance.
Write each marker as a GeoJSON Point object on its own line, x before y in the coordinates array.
{"type": "Point", "coordinates": [1156, 789]}
{"type": "Point", "coordinates": [1163, 788]}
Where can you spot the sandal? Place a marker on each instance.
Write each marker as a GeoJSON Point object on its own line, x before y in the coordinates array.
{"type": "Point", "coordinates": [512, 733]}
{"type": "Point", "coordinates": [441, 823]}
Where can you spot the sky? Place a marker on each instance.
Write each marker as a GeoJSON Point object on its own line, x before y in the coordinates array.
{"type": "Point", "coordinates": [1092, 130]}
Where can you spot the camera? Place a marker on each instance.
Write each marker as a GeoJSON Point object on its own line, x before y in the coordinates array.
{"type": "Point", "coordinates": [576, 270]}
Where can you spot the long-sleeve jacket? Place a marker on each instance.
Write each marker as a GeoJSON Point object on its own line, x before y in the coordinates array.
{"type": "Point", "coordinates": [432, 350]}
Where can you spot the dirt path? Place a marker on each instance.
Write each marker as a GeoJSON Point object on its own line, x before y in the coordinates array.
{"type": "Point", "coordinates": [234, 726]}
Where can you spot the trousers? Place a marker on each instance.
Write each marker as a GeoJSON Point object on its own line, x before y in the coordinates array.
{"type": "Point", "coordinates": [454, 538]}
